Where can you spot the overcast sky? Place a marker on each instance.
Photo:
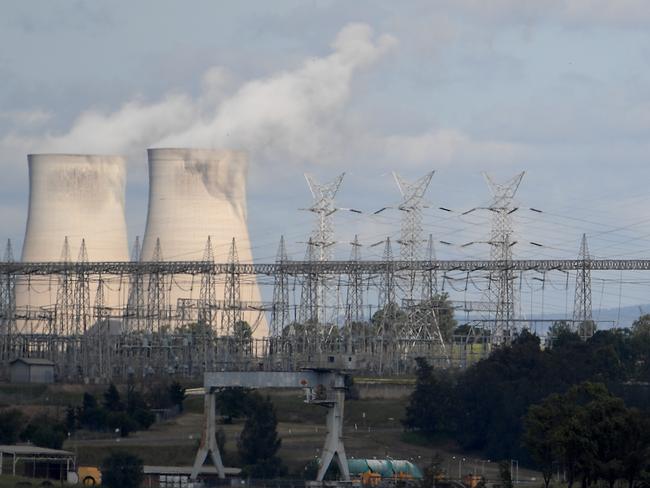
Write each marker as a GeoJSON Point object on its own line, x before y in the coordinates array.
{"type": "Point", "coordinates": [558, 88]}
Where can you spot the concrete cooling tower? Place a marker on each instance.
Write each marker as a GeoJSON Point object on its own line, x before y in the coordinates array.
{"type": "Point", "coordinates": [195, 194]}
{"type": "Point", "coordinates": [79, 197]}
{"type": "Point", "coordinates": [76, 197]}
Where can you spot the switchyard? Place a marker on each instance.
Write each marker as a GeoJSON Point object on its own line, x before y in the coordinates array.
{"type": "Point", "coordinates": [158, 315]}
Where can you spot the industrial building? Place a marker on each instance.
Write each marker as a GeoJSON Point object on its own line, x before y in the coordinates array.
{"type": "Point", "coordinates": [31, 370]}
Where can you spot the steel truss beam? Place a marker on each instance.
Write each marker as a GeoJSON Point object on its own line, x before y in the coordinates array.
{"type": "Point", "coordinates": [327, 267]}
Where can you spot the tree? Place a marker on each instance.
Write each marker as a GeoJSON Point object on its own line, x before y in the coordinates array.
{"type": "Point", "coordinates": [91, 416]}
{"type": "Point", "coordinates": [259, 442]}
{"type": "Point", "coordinates": [233, 403]}
{"type": "Point", "coordinates": [587, 328]}
{"type": "Point", "coordinates": [641, 326]}
{"type": "Point", "coordinates": [560, 334]}
{"type": "Point", "coordinates": [71, 419]}
{"type": "Point", "coordinates": [177, 395]}
{"type": "Point", "coordinates": [430, 405]}
{"type": "Point", "coordinates": [122, 470]}
{"type": "Point", "coordinates": [44, 431]}
{"type": "Point", "coordinates": [540, 436]}
{"type": "Point", "coordinates": [121, 421]}
{"type": "Point", "coordinates": [442, 307]}
{"type": "Point", "coordinates": [112, 401]}
{"type": "Point", "coordinates": [11, 423]}
{"type": "Point", "coordinates": [389, 319]}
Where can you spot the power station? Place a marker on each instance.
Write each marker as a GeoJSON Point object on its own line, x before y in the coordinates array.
{"type": "Point", "coordinates": [191, 299]}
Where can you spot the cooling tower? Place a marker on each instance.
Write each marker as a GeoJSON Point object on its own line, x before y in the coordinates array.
{"type": "Point", "coordinates": [78, 197]}
{"type": "Point", "coordinates": [195, 194]}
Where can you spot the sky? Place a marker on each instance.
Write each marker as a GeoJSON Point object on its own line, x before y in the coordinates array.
{"type": "Point", "coordinates": [556, 88]}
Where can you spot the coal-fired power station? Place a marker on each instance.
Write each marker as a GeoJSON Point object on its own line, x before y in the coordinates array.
{"type": "Point", "coordinates": [196, 212]}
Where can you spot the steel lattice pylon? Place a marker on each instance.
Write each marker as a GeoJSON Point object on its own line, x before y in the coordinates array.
{"type": "Point", "coordinates": [323, 207]}
{"type": "Point", "coordinates": [7, 301]}
{"type": "Point", "coordinates": [411, 207]}
{"type": "Point", "coordinates": [321, 239]}
{"type": "Point", "coordinates": [421, 321]}
{"type": "Point", "coordinates": [502, 290]}
{"type": "Point", "coordinates": [65, 294]}
{"type": "Point", "coordinates": [136, 303]}
{"type": "Point", "coordinates": [280, 312]}
{"type": "Point", "coordinates": [157, 296]}
{"type": "Point", "coordinates": [582, 308]}
{"type": "Point", "coordinates": [231, 293]}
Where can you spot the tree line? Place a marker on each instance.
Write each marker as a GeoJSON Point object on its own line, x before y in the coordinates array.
{"type": "Point", "coordinates": [119, 412]}
{"type": "Point", "coordinates": [501, 404]}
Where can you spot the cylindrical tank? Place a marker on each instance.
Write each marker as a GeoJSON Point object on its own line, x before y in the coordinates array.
{"type": "Point", "coordinates": [195, 194]}
{"type": "Point", "coordinates": [73, 198]}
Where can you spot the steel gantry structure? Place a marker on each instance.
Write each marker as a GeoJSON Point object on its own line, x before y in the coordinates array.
{"type": "Point", "coordinates": [148, 334]}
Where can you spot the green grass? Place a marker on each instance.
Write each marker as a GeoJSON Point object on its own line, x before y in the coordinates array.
{"type": "Point", "coordinates": [154, 455]}
{"type": "Point", "coordinates": [291, 407]}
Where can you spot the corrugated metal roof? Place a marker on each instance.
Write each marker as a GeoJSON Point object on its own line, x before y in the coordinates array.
{"type": "Point", "coordinates": [33, 451]}
{"type": "Point", "coordinates": [34, 361]}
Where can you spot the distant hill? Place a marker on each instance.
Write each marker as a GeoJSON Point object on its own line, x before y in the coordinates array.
{"type": "Point", "coordinates": [606, 318]}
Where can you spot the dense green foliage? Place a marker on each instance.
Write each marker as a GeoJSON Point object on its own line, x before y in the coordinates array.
{"type": "Point", "coordinates": [177, 395]}
{"type": "Point", "coordinates": [11, 424]}
{"type": "Point", "coordinates": [121, 416]}
{"type": "Point", "coordinates": [44, 431]}
{"type": "Point", "coordinates": [591, 433]}
{"type": "Point", "coordinates": [259, 442]}
{"type": "Point", "coordinates": [483, 407]}
{"type": "Point", "coordinates": [122, 470]}
{"type": "Point", "coordinates": [41, 430]}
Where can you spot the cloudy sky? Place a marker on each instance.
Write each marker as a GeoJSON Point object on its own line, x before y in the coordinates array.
{"type": "Point", "coordinates": [557, 88]}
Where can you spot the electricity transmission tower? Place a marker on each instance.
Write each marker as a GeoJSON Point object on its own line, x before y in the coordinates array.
{"type": "Point", "coordinates": [7, 298]}
{"type": "Point", "coordinates": [421, 321]}
{"type": "Point", "coordinates": [582, 318]}
{"type": "Point", "coordinates": [411, 207]}
{"type": "Point", "coordinates": [321, 240]}
{"type": "Point", "coordinates": [323, 207]}
{"type": "Point", "coordinates": [501, 288]}
{"type": "Point", "coordinates": [280, 312]}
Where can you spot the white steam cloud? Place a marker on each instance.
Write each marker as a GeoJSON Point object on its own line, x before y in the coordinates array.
{"type": "Point", "coordinates": [289, 114]}
{"type": "Point", "coordinates": [295, 116]}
